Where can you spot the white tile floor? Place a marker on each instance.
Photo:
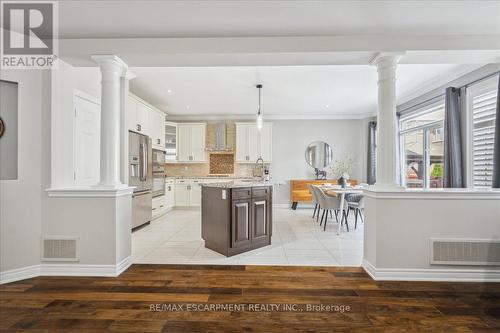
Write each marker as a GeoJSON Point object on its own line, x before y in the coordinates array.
{"type": "Point", "coordinates": [297, 240]}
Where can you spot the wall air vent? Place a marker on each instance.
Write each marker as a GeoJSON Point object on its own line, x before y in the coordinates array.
{"type": "Point", "coordinates": [60, 249]}
{"type": "Point", "coordinates": [465, 252]}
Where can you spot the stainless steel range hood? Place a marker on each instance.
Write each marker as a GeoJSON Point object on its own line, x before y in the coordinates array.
{"type": "Point", "coordinates": [218, 135]}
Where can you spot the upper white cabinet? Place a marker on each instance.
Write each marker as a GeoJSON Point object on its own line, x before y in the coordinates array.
{"type": "Point", "coordinates": [191, 142]}
{"type": "Point", "coordinates": [252, 143]}
{"type": "Point", "coordinates": [145, 119]}
{"type": "Point", "coordinates": [137, 115]}
{"type": "Point", "coordinates": [157, 129]}
{"type": "Point", "coordinates": [142, 117]}
{"type": "Point", "coordinates": [170, 142]}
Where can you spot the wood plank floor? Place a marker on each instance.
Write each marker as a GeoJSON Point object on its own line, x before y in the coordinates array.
{"type": "Point", "coordinates": [270, 299]}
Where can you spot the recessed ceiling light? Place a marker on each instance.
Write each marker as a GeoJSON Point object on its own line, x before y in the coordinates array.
{"type": "Point", "coordinates": [187, 107]}
{"type": "Point", "coordinates": [327, 106]}
{"type": "Point", "coordinates": [169, 91]}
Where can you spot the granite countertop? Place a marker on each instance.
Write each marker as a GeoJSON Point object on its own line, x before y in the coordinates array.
{"type": "Point", "coordinates": [234, 184]}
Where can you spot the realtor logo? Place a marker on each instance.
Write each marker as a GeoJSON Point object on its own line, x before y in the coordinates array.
{"type": "Point", "coordinates": [28, 34]}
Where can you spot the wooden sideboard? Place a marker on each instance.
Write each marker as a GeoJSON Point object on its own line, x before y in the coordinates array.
{"type": "Point", "coordinates": [299, 192]}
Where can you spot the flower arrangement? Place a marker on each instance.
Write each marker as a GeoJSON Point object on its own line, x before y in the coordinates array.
{"type": "Point", "coordinates": [342, 167]}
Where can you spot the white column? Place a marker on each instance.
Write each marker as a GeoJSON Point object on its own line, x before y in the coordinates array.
{"type": "Point", "coordinates": [112, 69]}
{"type": "Point", "coordinates": [387, 177]}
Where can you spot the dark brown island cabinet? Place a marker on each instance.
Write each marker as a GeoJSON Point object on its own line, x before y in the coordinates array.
{"type": "Point", "coordinates": [236, 219]}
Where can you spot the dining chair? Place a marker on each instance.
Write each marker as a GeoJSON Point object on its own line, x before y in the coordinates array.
{"type": "Point", "coordinates": [356, 202]}
{"type": "Point", "coordinates": [317, 193]}
{"type": "Point", "coordinates": [331, 203]}
{"type": "Point", "coordinates": [314, 199]}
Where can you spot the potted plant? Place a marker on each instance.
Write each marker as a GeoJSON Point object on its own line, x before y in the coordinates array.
{"type": "Point", "coordinates": [342, 169]}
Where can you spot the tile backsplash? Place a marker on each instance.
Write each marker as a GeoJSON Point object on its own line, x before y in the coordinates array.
{"type": "Point", "coordinates": [221, 162]}
{"type": "Point", "coordinates": [203, 170]}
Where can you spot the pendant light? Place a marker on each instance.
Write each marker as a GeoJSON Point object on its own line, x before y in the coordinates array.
{"type": "Point", "coordinates": [259, 115]}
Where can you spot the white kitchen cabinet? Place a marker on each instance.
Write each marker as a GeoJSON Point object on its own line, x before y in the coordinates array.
{"type": "Point", "coordinates": [142, 118]}
{"type": "Point", "coordinates": [170, 142]}
{"type": "Point", "coordinates": [183, 142]}
{"type": "Point", "coordinates": [158, 207]}
{"type": "Point", "coordinates": [242, 143]}
{"type": "Point", "coordinates": [169, 197]}
{"type": "Point", "coordinates": [252, 143]}
{"type": "Point", "coordinates": [191, 142]}
{"type": "Point", "coordinates": [187, 193]}
{"type": "Point", "coordinates": [182, 195]}
{"type": "Point", "coordinates": [195, 194]}
{"type": "Point", "coordinates": [157, 129]}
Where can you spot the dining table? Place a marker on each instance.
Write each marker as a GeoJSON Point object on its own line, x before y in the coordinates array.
{"type": "Point", "coordinates": [334, 191]}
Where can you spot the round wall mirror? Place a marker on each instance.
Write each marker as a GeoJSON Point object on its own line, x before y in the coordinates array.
{"type": "Point", "coordinates": [319, 154]}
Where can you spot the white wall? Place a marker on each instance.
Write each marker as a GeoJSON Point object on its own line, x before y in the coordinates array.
{"type": "Point", "coordinates": [65, 80]}
{"type": "Point", "coordinates": [399, 226]}
{"type": "Point", "coordinates": [291, 137]}
{"type": "Point", "coordinates": [102, 226]}
{"type": "Point", "coordinates": [21, 199]}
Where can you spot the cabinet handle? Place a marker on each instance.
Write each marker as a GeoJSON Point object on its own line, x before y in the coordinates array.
{"type": "Point", "coordinates": [139, 127]}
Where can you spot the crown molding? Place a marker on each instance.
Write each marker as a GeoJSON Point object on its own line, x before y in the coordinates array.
{"type": "Point", "coordinates": [357, 116]}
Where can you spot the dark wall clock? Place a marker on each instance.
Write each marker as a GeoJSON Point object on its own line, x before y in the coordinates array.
{"type": "Point", "coordinates": [2, 127]}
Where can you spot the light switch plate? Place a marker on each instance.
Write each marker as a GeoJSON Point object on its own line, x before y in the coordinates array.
{"type": "Point", "coordinates": [223, 194]}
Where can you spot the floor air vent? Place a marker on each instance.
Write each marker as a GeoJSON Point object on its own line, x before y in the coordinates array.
{"type": "Point", "coordinates": [60, 249]}
{"type": "Point", "coordinates": [465, 252]}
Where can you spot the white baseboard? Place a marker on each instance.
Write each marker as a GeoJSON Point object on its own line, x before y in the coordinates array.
{"type": "Point", "coordinates": [17, 274]}
{"type": "Point", "coordinates": [61, 269]}
{"type": "Point", "coordinates": [123, 265]}
{"type": "Point", "coordinates": [438, 274]}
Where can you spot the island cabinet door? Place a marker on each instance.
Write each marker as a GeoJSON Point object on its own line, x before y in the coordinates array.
{"type": "Point", "coordinates": [240, 223]}
{"type": "Point", "coordinates": [260, 219]}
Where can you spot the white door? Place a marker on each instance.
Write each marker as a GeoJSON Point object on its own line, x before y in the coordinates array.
{"type": "Point", "coordinates": [183, 143]}
{"type": "Point", "coordinates": [253, 143]}
{"type": "Point", "coordinates": [266, 142]}
{"type": "Point", "coordinates": [195, 195]}
{"type": "Point", "coordinates": [198, 142]}
{"type": "Point", "coordinates": [241, 142]}
{"type": "Point", "coordinates": [86, 141]}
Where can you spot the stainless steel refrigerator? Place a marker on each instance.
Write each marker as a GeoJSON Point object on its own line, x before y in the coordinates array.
{"type": "Point", "coordinates": [140, 176]}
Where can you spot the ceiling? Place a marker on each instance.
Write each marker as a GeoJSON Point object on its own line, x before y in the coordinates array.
{"type": "Point", "coordinates": [288, 92]}
{"type": "Point", "coordinates": [91, 19]}
{"type": "Point", "coordinates": [183, 46]}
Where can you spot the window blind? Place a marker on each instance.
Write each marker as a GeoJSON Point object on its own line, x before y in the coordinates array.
{"type": "Point", "coordinates": [483, 119]}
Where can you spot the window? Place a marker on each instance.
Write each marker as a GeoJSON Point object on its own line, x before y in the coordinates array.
{"type": "Point", "coordinates": [481, 100]}
{"type": "Point", "coordinates": [421, 146]}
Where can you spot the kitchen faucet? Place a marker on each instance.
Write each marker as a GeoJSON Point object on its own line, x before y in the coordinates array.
{"type": "Point", "coordinates": [261, 168]}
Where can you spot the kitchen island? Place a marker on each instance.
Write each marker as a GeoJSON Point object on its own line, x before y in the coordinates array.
{"type": "Point", "coordinates": [236, 216]}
